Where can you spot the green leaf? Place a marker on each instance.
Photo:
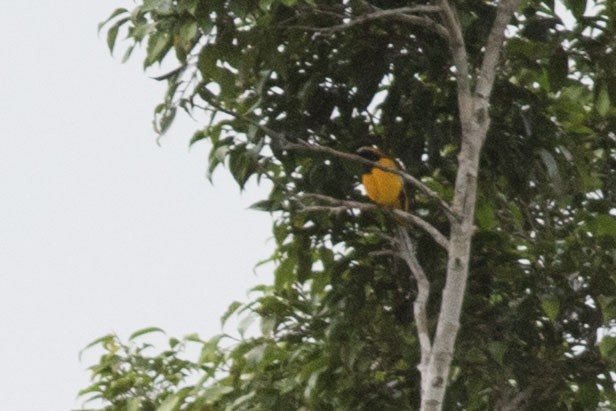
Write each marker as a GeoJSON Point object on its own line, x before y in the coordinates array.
{"type": "Point", "coordinates": [127, 53]}
{"type": "Point", "coordinates": [551, 306]}
{"type": "Point", "coordinates": [112, 34]}
{"type": "Point", "coordinates": [210, 352]}
{"type": "Point", "coordinates": [216, 392]}
{"type": "Point", "coordinates": [242, 164]}
{"type": "Point", "coordinates": [133, 404]}
{"type": "Point", "coordinates": [233, 307]}
{"type": "Point", "coordinates": [603, 225]}
{"type": "Point", "coordinates": [577, 7]}
{"type": "Point", "coordinates": [158, 45]}
{"type": "Point", "coordinates": [497, 349]}
{"type": "Point", "coordinates": [104, 340]}
{"type": "Point", "coordinates": [145, 331]}
{"type": "Point", "coordinates": [607, 346]}
{"type": "Point", "coordinates": [485, 215]}
{"type": "Point", "coordinates": [552, 168]}
{"type": "Point", "coordinates": [170, 404]}
{"type": "Point", "coordinates": [114, 14]}
{"type": "Point", "coordinates": [266, 205]}
{"type": "Point", "coordinates": [165, 120]}
{"type": "Point", "coordinates": [558, 69]}
{"type": "Point", "coordinates": [246, 322]}
{"type": "Point", "coordinates": [602, 104]}
{"type": "Point", "coordinates": [284, 273]}
{"type": "Point", "coordinates": [256, 354]}
{"type": "Point", "coordinates": [160, 6]}
{"type": "Point", "coordinates": [608, 308]}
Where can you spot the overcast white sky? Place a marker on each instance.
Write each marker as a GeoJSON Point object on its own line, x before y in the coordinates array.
{"type": "Point", "coordinates": [101, 230]}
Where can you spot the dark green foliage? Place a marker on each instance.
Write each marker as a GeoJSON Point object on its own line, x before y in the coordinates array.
{"type": "Point", "coordinates": [336, 323]}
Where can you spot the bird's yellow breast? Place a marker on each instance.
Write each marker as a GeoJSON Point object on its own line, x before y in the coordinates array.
{"type": "Point", "coordinates": [383, 187]}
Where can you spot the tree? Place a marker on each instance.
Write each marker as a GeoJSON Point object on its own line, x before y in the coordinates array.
{"type": "Point", "coordinates": [501, 114]}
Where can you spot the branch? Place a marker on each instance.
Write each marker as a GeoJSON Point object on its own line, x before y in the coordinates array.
{"type": "Point", "coordinates": [405, 14]}
{"type": "Point", "coordinates": [337, 206]}
{"type": "Point", "coordinates": [407, 252]}
{"type": "Point", "coordinates": [425, 22]}
{"type": "Point", "coordinates": [460, 60]}
{"type": "Point", "coordinates": [504, 12]}
{"type": "Point", "coordinates": [285, 144]}
{"type": "Point", "coordinates": [303, 145]}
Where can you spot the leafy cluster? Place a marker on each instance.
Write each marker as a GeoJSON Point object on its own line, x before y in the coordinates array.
{"type": "Point", "coordinates": [336, 323]}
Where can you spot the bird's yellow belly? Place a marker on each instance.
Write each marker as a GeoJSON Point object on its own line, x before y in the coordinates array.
{"type": "Point", "coordinates": [383, 187]}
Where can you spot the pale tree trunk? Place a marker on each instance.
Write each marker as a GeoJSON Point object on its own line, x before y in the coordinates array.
{"type": "Point", "coordinates": [474, 87]}
{"type": "Point", "coordinates": [475, 121]}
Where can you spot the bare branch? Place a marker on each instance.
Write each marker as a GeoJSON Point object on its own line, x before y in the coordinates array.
{"type": "Point", "coordinates": [425, 22]}
{"type": "Point", "coordinates": [405, 14]}
{"type": "Point", "coordinates": [407, 252]}
{"type": "Point", "coordinates": [303, 145]}
{"type": "Point", "coordinates": [336, 205]}
{"type": "Point", "coordinates": [504, 12]}
{"type": "Point", "coordinates": [517, 401]}
{"type": "Point", "coordinates": [460, 60]}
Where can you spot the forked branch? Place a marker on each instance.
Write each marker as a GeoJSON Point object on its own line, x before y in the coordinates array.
{"type": "Point", "coordinates": [337, 205]}
{"type": "Point", "coordinates": [301, 145]}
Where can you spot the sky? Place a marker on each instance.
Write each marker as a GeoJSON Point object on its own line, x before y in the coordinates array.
{"type": "Point", "coordinates": [101, 229]}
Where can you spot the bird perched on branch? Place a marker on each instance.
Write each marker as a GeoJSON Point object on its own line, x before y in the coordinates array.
{"type": "Point", "coordinates": [383, 187]}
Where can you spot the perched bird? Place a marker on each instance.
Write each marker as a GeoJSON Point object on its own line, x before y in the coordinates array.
{"type": "Point", "coordinates": [383, 187]}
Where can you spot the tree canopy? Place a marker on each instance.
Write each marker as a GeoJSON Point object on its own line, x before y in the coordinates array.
{"type": "Point", "coordinates": [289, 89]}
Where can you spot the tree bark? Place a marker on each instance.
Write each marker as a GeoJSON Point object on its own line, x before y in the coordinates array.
{"type": "Point", "coordinates": [475, 121]}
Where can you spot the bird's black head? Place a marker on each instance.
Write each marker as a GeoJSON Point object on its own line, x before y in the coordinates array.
{"type": "Point", "coordinates": [369, 153]}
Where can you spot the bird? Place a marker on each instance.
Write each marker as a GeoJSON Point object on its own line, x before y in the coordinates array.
{"type": "Point", "coordinates": [383, 187]}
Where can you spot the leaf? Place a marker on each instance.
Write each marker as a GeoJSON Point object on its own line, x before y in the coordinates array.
{"type": "Point", "coordinates": [608, 307]}
{"type": "Point", "coordinates": [577, 7]}
{"type": "Point", "coordinates": [214, 393]}
{"type": "Point", "coordinates": [165, 120]}
{"type": "Point", "coordinates": [105, 340]}
{"type": "Point", "coordinates": [170, 404]}
{"type": "Point", "coordinates": [497, 349]}
{"type": "Point", "coordinates": [115, 13]}
{"type": "Point", "coordinates": [552, 168]}
{"type": "Point", "coordinates": [210, 353]}
{"type": "Point", "coordinates": [603, 225]}
{"type": "Point", "coordinates": [558, 69]}
{"type": "Point", "coordinates": [607, 347]}
{"type": "Point", "coordinates": [112, 34]}
{"type": "Point", "coordinates": [485, 214]}
{"type": "Point", "coordinates": [266, 205]}
{"type": "Point", "coordinates": [145, 331]}
{"type": "Point", "coordinates": [242, 164]}
{"type": "Point", "coordinates": [284, 275]}
{"type": "Point", "coordinates": [158, 45]}
{"type": "Point", "coordinates": [133, 404]}
{"type": "Point", "coordinates": [160, 6]}
{"type": "Point", "coordinates": [128, 53]}
{"type": "Point", "coordinates": [233, 307]}
{"type": "Point", "coordinates": [256, 354]}
{"type": "Point", "coordinates": [246, 322]}
{"type": "Point", "coordinates": [602, 104]}
{"type": "Point", "coordinates": [551, 306]}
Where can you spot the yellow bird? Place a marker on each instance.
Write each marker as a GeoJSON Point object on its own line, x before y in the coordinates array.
{"type": "Point", "coordinates": [383, 187]}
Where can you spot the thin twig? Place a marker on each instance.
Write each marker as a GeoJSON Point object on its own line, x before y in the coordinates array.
{"type": "Point", "coordinates": [407, 252]}
{"type": "Point", "coordinates": [485, 82]}
{"type": "Point", "coordinates": [303, 145]}
{"type": "Point", "coordinates": [336, 205]}
{"type": "Point", "coordinates": [460, 60]}
{"type": "Point", "coordinates": [406, 14]}
{"type": "Point", "coordinates": [425, 22]}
